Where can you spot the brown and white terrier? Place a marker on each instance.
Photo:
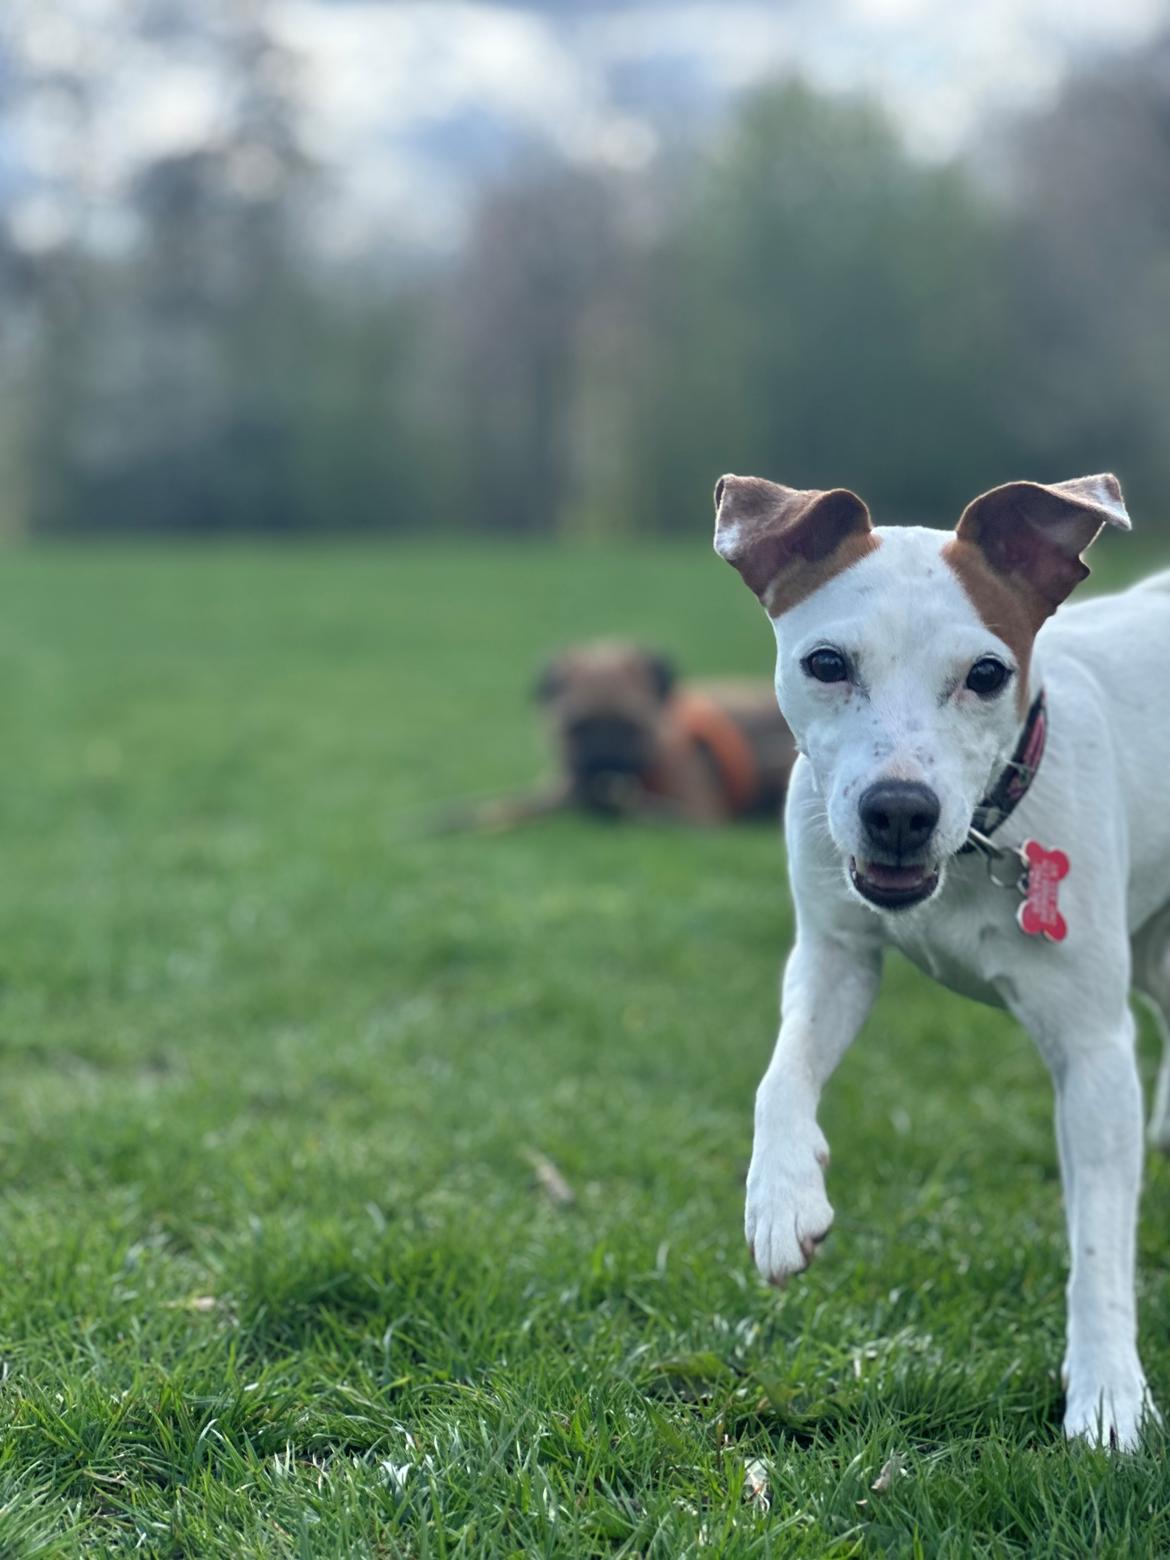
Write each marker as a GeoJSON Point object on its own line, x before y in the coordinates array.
{"type": "Point", "coordinates": [982, 785]}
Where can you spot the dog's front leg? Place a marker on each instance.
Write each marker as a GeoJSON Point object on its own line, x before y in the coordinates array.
{"type": "Point", "coordinates": [1099, 1136]}
{"type": "Point", "coordinates": [829, 986]}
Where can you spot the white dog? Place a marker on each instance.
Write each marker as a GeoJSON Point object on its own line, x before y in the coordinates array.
{"type": "Point", "coordinates": [986, 790]}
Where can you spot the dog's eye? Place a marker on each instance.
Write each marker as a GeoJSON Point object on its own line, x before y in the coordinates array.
{"type": "Point", "coordinates": [826, 665]}
{"type": "Point", "coordinates": [988, 676]}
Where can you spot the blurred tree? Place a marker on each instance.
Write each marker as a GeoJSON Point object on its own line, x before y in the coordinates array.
{"type": "Point", "coordinates": [826, 313]}
{"type": "Point", "coordinates": [174, 413]}
{"type": "Point", "coordinates": [207, 376]}
{"type": "Point", "coordinates": [1087, 187]}
{"type": "Point", "coordinates": [537, 259]}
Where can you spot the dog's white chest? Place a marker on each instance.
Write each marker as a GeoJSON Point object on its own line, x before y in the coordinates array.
{"type": "Point", "coordinates": [958, 943]}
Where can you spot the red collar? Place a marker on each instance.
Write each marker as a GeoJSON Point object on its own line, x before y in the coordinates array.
{"type": "Point", "coordinates": [1017, 774]}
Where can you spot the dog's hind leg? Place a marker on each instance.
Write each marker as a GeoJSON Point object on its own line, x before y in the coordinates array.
{"type": "Point", "coordinates": [1151, 977]}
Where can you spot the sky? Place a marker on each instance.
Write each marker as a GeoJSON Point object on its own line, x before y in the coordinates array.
{"type": "Point", "coordinates": [412, 104]}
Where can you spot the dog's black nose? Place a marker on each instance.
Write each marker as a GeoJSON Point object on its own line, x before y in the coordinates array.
{"type": "Point", "coordinates": [898, 816]}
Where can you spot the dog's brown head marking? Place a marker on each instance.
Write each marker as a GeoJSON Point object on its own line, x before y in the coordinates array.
{"type": "Point", "coordinates": [1017, 552]}
{"type": "Point", "coordinates": [786, 542]}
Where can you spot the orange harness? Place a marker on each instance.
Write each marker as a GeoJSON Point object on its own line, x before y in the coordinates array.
{"type": "Point", "coordinates": [702, 721]}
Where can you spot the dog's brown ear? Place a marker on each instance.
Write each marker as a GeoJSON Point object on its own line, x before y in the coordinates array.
{"type": "Point", "coordinates": [1032, 534]}
{"type": "Point", "coordinates": [549, 683]}
{"type": "Point", "coordinates": [663, 674]}
{"type": "Point", "coordinates": [788, 541]}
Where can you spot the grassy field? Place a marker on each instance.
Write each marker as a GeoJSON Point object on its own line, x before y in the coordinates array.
{"type": "Point", "coordinates": [279, 1277]}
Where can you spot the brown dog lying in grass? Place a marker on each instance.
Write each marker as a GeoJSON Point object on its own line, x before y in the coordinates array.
{"type": "Point", "coordinates": [630, 741]}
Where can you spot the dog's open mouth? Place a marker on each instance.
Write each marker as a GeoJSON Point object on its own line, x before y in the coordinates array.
{"type": "Point", "coordinates": [893, 888]}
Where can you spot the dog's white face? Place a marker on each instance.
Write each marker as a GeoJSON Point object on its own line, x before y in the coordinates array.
{"type": "Point", "coordinates": [905, 704]}
{"type": "Point", "coordinates": [903, 654]}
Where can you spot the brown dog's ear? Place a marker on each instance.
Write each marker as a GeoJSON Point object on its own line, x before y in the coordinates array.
{"type": "Point", "coordinates": [663, 674]}
{"type": "Point", "coordinates": [1033, 534]}
{"type": "Point", "coordinates": [788, 541]}
{"type": "Point", "coordinates": [549, 683]}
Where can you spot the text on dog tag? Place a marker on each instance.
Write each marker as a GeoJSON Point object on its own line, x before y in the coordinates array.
{"type": "Point", "coordinates": [1039, 915]}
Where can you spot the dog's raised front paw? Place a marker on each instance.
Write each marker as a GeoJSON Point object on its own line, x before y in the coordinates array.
{"type": "Point", "coordinates": [787, 1214]}
{"type": "Point", "coordinates": [1110, 1415]}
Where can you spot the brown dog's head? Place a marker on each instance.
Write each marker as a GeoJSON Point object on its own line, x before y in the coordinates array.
{"type": "Point", "coordinates": [606, 704]}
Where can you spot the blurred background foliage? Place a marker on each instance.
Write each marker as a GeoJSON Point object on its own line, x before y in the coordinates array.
{"type": "Point", "coordinates": [788, 291]}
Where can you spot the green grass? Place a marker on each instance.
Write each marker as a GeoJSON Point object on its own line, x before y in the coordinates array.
{"type": "Point", "coordinates": [277, 1275]}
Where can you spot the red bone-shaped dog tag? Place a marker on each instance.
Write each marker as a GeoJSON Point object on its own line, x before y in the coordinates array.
{"type": "Point", "coordinates": [1039, 914]}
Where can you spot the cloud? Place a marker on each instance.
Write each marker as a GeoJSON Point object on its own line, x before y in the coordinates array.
{"type": "Point", "coordinates": [414, 103]}
{"type": "Point", "coordinates": [411, 106]}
